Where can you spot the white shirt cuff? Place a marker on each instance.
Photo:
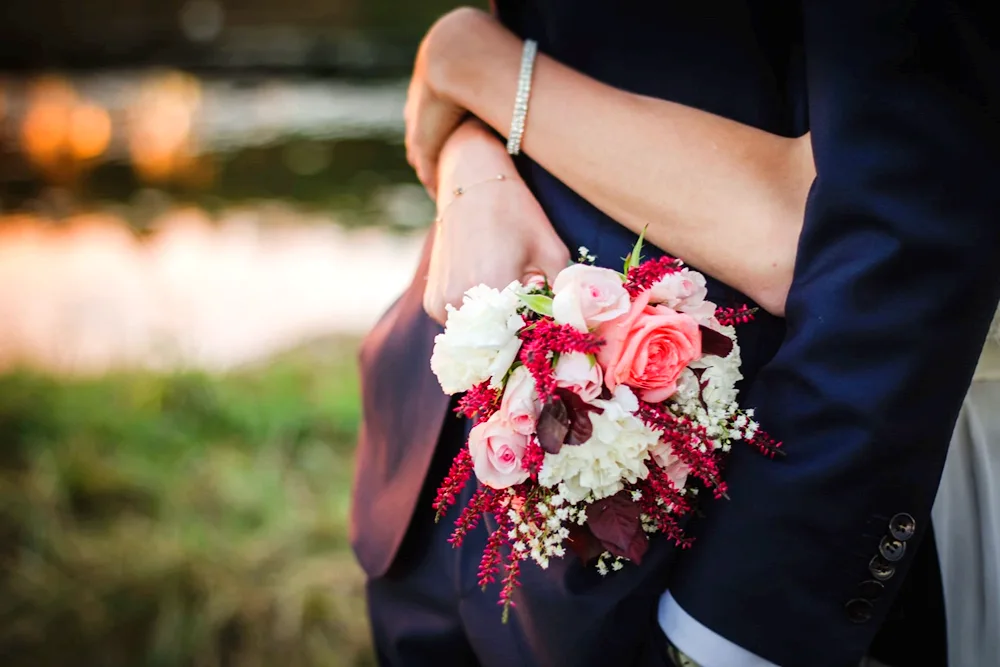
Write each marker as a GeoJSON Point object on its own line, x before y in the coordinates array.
{"type": "Point", "coordinates": [699, 643]}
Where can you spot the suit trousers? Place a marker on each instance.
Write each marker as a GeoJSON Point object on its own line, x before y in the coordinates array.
{"type": "Point", "coordinates": [428, 609]}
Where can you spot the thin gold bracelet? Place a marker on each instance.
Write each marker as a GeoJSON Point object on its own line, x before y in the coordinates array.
{"type": "Point", "coordinates": [462, 189]}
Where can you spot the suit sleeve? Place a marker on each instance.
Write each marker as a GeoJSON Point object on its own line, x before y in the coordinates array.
{"type": "Point", "coordinates": [896, 281]}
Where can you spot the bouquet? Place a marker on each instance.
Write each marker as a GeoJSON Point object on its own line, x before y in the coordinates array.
{"type": "Point", "coordinates": [598, 404]}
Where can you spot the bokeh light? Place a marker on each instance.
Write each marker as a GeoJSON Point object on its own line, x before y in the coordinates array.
{"type": "Point", "coordinates": [45, 130]}
{"type": "Point", "coordinates": [60, 130]}
{"type": "Point", "coordinates": [89, 131]}
{"type": "Point", "coordinates": [159, 128]}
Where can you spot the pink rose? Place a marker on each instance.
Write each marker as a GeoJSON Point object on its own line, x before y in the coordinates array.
{"type": "Point", "coordinates": [685, 292]}
{"type": "Point", "coordinates": [520, 406]}
{"type": "Point", "coordinates": [677, 471]}
{"type": "Point", "coordinates": [648, 348]}
{"type": "Point", "coordinates": [580, 374]}
{"type": "Point", "coordinates": [496, 453]}
{"type": "Point", "coordinates": [586, 296]}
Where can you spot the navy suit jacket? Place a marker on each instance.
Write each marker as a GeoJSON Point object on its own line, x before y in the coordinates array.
{"type": "Point", "coordinates": [897, 276]}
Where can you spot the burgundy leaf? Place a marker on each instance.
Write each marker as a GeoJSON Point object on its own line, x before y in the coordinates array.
{"type": "Point", "coordinates": [578, 410]}
{"type": "Point", "coordinates": [713, 342]}
{"type": "Point", "coordinates": [580, 430]}
{"type": "Point", "coordinates": [615, 523]}
{"type": "Point", "coordinates": [583, 543]}
{"type": "Point", "coordinates": [553, 425]}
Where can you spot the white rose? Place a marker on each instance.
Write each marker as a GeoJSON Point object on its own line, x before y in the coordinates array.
{"type": "Point", "coordinates": [480, 340]}
{"type": "Point", "coordinates": [616, 453]}
{"type": "Point", "coordinates": [685, 292]}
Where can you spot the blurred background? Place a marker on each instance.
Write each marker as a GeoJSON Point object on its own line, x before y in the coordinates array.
{"type": "Point", "coordinates": [203, 205]}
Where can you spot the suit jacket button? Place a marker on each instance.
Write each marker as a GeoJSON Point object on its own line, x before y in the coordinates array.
{"type": "Point", "coordinates": [902, 526]}
{"type": "Point", "coordinates": [859, 610]}
{"type": "Point", "coordinates": [881, 569]}
{"type": "Point", "coordinates": [892, 549]}
{"type": "Point", "coordinates": [871, 589]}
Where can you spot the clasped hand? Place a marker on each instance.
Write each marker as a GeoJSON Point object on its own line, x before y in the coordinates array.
{"type": "Point", "coordinates": [494, 233]}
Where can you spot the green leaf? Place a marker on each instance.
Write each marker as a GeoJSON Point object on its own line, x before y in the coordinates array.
{"type": "Point", "coordinates": [635, 257]}
{"type": "Point", "coordinates": [539, 303]}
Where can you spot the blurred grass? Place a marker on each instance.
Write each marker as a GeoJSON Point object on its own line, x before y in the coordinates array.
{"type": "Point", "coordinates": [181, 519]}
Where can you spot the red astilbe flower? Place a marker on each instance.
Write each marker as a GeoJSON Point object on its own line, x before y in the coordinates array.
{"type": "Point", "coordinates": [479, 403]}
{"type": "Point", "coordinates": [533, 458]}
{"type": "Point", "coordinates": [456, 479]}
{"type": "Point", "coordinates": [686, 440]}
{"type": "Point", "coordinates": [511, 582]}
{"type": "Point", "coordinates": [489, 565]}
{"type": "Point", "coordinates": [735, 316]}
{"type": "Point", "coordinates": [542, 339]}
{"type": "Point", "coordinates": [641, 278]}
{"type": "Point", "coordinates": [765, 444]}
{"type": "Point", "coordinates": [658, 487]}
{"type": "Point", "coordinates": [481, 501]}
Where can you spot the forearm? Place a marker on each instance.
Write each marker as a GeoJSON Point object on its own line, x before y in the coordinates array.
{"type": "Point", "coordinates": [691, 177]}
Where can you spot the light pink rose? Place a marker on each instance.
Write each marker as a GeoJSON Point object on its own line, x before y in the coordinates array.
{"type": "Point", "coordinates": [677, 471]}
{"type": "Point", "coordinates": [586, 296]}
{"type": "Point", "coordinates": [685, 292]}
{"type": "Point", "coordinates": [580, 374]}
{"type": "Point", "coordinates": [520, 406]}
{"type": "Point", "coordinates": [496, 453]}
{"type": "Point", "coordinates": [648, 348]}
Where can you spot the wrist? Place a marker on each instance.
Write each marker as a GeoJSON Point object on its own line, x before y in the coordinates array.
{"type": "Point", "coordinates": [471, 154]}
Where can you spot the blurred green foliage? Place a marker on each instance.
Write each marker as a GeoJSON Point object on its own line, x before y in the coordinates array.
{"type": "Point", "coordinates": [181, 519]}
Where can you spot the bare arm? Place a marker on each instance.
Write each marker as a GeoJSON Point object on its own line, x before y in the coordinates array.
{"type": "Point", "coordinates": [696, 180]}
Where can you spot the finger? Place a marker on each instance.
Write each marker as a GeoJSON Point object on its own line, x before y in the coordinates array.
{"type": "Point", "coordinates": [533, 278]}
{"type": "Point", "coordinates": [434, 308]}
{"type": "Point", "coordinates": [549, 264]}
{"type": "Point", "coordinates": [431, 185]}
{"type": "Point", "coordinates": [411, 152]}
{"type": "Point", "coordinates": [427, 175]}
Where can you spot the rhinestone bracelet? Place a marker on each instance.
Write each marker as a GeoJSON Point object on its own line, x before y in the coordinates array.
{"type": "Point", "coordinates": [521, 99]}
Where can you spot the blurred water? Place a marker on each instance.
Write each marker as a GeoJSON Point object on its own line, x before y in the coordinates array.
{"type": "Point", "coordinates": [155, 218]}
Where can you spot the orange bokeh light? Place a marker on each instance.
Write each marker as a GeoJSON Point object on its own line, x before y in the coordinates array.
{"type": "Point", "coordinates": [89, 131]}
{"type": "Point", "coordinates": [46, 123]}
{"type": "Point", "coordinates": [160, 126]}
{"type": "Point", "coordinates": [60, 129]}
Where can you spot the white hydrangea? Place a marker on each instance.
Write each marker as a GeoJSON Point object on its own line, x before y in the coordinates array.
{"type": "Point", "coordinates": [616, 453]}
{"type": "Point", "coordinates": [720, 375]}
{"type": "Point", "coordinates": [688, 390]}
{"type": "Point", "coordinates": [480, 340]}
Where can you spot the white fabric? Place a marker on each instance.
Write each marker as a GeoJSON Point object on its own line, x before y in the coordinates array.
{"type": "Point", "coordinates": [702, 645]}
{"type": "Point", "coordinates": [967, 523]}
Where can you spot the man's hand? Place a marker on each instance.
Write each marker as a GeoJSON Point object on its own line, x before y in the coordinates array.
{"type": "Point", "coordinates": [495, 232]}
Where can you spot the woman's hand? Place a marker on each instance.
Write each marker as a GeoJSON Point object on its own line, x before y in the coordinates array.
{"type": "Point", "coordinates": [430, 116]}
{"type": "Point", "coordinates": [495, 232]}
